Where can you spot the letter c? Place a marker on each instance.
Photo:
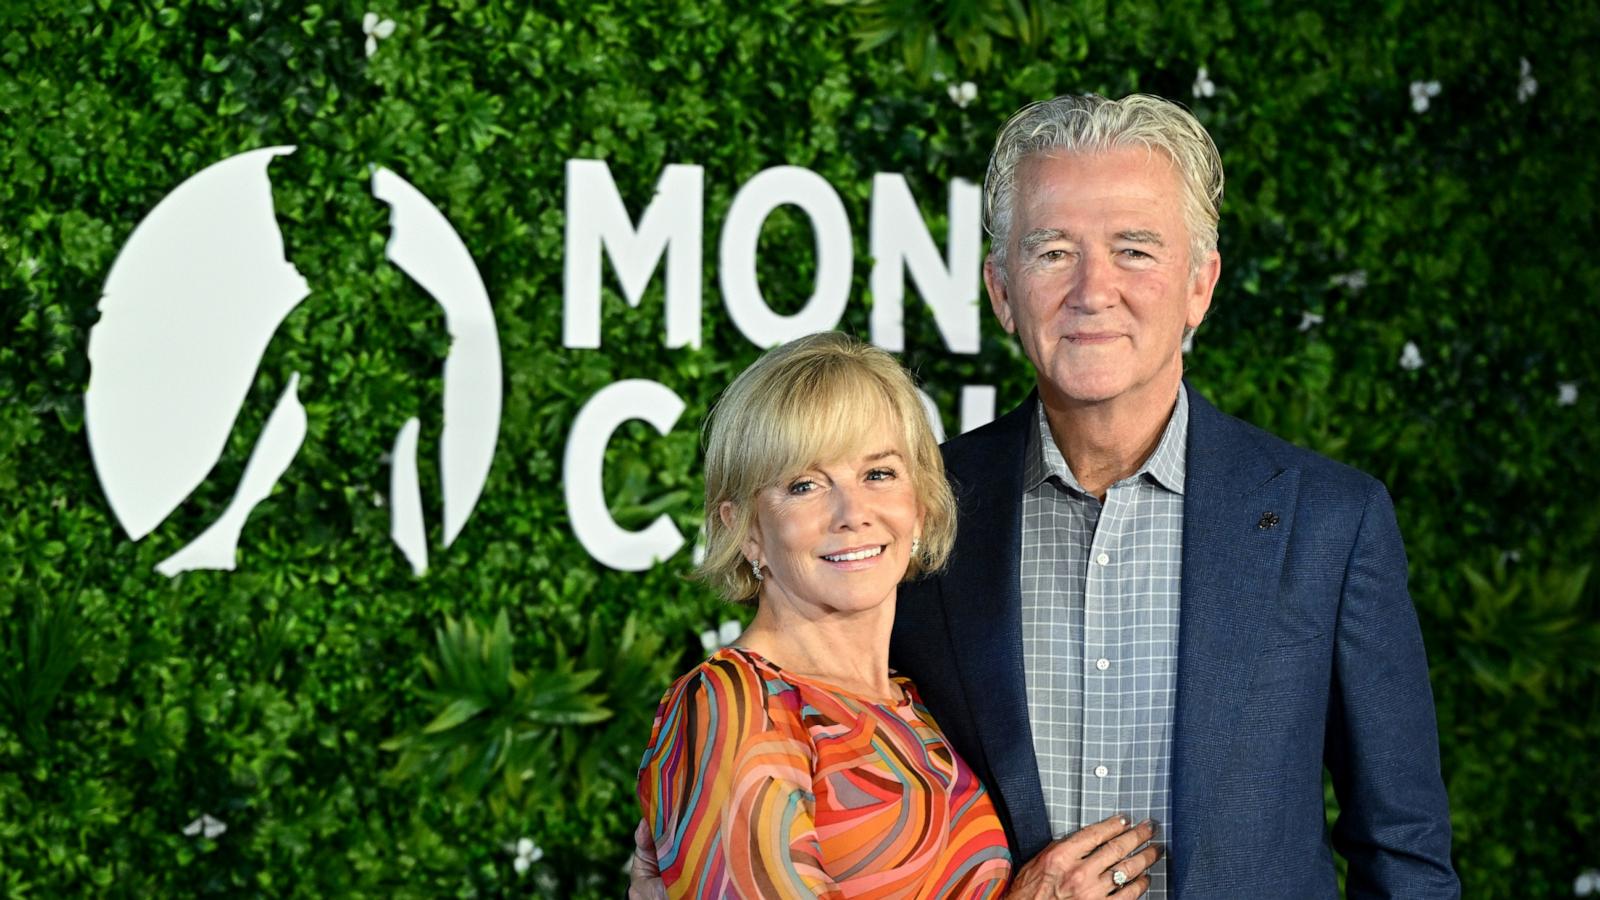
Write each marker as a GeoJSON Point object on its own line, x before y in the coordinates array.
{"type": "Point", "coordinates": [583, 474]}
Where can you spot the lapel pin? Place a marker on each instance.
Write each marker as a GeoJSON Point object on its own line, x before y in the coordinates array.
{"type": "Point", "coordinates": [1268, 520]}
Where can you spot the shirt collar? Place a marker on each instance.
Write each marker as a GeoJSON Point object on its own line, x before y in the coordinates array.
{"type": "Point", "coordinates": [1166, 466]}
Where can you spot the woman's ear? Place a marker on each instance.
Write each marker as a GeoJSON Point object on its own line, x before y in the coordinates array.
{"type": "Point", "coordinates": [751, 548]}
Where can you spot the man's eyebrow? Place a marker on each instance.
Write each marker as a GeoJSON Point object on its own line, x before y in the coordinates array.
{"type": "Point", "coordinates": [1043, 236]}
{"type": "Point", "coordinates": [1142, 236]}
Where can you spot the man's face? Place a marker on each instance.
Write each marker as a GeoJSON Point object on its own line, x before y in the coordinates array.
{"type": "Point", "coordinates": [1097, 283]}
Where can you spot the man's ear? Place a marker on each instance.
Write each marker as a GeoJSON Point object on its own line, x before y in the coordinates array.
{"type": "Point", "coordinates": [751, 548]}
{"type": "Point", "coordinates": [994, 281]}
{"type": "Point", "coordinates": [1201, 287]}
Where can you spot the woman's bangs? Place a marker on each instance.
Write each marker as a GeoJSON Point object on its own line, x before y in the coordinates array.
{"type": "Point", "coordinates": [830, 416]}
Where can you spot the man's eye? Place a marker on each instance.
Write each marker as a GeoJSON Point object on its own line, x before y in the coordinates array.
{"type": "Point", "coordinates": [1053, 255]}
{"type": "Point", "coordinates": [1135, 254]}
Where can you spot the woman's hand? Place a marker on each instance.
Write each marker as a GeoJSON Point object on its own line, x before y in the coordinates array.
{"type": "Point", "coordinates": [1081, 865]}
{"type": "Point", "coordinates": [644, 877]}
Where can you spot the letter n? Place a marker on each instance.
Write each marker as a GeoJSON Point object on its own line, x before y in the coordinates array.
{"type": "Point", "coordinates": [901, 243]}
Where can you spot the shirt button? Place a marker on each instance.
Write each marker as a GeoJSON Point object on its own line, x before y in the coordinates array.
{"type": "Point", "coordinates": [1103, 559]}
{"type": "Point", "coordinates": [1101, 771]}
{"type": "Point", "coordinates": [1102, 664]}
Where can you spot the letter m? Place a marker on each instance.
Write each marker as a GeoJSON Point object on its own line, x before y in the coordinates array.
{"type": "Point", "coordinates": [671, 225]}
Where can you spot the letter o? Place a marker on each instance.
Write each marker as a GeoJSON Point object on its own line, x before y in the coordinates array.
{"type": "Point", "coordinates": [741, 233]}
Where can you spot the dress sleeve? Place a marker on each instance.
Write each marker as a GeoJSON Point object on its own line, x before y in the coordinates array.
{"type": "Point", "coordinates": [725, 786]}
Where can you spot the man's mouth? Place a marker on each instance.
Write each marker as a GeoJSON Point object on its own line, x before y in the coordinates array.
{"type": "Point", "coordinates": [853, 555]}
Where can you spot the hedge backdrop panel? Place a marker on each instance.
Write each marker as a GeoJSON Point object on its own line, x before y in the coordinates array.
{"type": "Point", "coordinates": [1409, 242]}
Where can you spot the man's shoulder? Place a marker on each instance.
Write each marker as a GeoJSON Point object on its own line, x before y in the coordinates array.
{"type": "Point", "coordinates": [1213, 432]}
{"type": "Point", "coordinates": [988, 448]}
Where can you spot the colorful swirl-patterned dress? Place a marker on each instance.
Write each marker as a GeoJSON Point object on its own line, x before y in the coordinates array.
{"type": "Point", "coordinates": [762, 784]}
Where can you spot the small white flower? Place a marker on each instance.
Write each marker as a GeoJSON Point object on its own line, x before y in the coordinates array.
{"type": "Point", "coordinates": [1353, 281]}
{"type": "Point", "coordinates": [1410, 357]}
{"type": "Point", "coordinates": [1567, 395]}
{"type": "Point", "coordinates": [205, 826]}
{"type": "Point", "coordinates": [377, 499]}
{"type": "Point", "coordinates": [1309, 320]}
{"type": "Point", "coordinates": [1188, 342]}
{"type": "Point", "coordinates": [526, 853]}
{"type": "Point", "coordinates": [1203, 85]}
{"type": "Point", "coordinates": [713, 639]}
{"type": "Point", "coordinates": [963, 93]}
{"type": "Point", "coordinates": [376, 30]}
{"type": "Point", "coordinates": [1527, 85]}
{"type": "Point", "coordinates": [1510, 556]}
{"type": "Point", "coordinates": [1587, 882]}
{"type": "Point", "coordinates": [1421, 93]}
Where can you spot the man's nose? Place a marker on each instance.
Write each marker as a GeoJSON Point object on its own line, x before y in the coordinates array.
{"type": "Point", "coordinates": [1095, 287]}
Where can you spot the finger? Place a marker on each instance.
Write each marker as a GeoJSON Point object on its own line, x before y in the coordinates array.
{"type": "Point", "coordinates": [1135, 888]}
{"type": "Point", "coordinates": [1120, 846]}
{"type": "Point", "coordinates": [1083, 842]}
{"type": "Point", "coordinates": [644, 855]}
{"type": "Point", "coordinates": [1124, 844]}
{"type": "Point", "coordinates": [1133, 866]}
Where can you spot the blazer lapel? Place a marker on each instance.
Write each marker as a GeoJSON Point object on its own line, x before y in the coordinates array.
{"type": "Point", "coordinates": [983, 600]}
{"type": "Point", "coordinates": [1239, 507]}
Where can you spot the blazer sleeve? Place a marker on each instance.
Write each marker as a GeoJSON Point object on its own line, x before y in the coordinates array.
{"type": "Point", "coordinates": [1382, 746]}
{"type": "Point", "coordinates": [725, 786]}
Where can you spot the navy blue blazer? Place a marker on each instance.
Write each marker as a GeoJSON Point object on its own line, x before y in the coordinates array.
{"type": "Point", "coordinates": [1298, 648]}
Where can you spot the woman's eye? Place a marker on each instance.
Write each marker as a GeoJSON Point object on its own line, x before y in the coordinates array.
{"type": "Point", "coordinates": [880, 474]}
{"type": "Point", "coordinates": [803, 486]}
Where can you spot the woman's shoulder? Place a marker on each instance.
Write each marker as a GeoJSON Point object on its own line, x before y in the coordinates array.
{"type": "Point", "coordinates": [731, 681]}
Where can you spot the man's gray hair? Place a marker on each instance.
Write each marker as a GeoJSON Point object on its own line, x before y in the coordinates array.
{"type": "Point", "coordinates": [1089, 123]}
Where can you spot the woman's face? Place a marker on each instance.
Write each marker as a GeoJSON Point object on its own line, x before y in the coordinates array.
{"type": "Point", "coordinates": [836, 538]}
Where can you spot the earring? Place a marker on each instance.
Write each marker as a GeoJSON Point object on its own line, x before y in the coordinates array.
{"type": "Point", "coordinates": [755, 569]}
{"type": "Point", "coordinates": [916, 546]}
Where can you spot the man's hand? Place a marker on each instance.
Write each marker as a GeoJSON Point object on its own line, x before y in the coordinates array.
{"type": "Point", "coordinates": [1081, 865]}
{"type": "Point", "coordinates": [644, 879]}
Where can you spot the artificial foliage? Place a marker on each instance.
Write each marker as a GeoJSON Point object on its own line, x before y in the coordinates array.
{"type": "Point", "coordinates": [1409, 270]}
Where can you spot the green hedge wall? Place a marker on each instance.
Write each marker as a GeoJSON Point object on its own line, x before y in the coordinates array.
{"type": "Point", "coordinates": [288, 699]}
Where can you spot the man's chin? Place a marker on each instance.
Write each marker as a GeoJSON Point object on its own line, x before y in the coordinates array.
{"type": "Point", "coordinates": [1086, 388]}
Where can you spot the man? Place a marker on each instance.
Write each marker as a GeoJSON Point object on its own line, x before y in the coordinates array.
{"type": "Point", "coordinates": [1153, 608]}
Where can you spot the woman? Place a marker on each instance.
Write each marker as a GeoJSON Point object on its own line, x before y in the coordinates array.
{"type": "Point", "coordinates": [794, 763]}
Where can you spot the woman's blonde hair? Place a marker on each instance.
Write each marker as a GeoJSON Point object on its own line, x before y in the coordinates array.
{"type": "Point", "coordinates": [803, 403]}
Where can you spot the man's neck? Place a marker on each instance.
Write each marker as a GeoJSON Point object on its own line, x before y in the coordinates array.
{"type": "Point", "coordinates": [1104, 443]}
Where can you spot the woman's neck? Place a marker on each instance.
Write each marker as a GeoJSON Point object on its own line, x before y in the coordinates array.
{"type": "Point", "coordinates": [850, 650]}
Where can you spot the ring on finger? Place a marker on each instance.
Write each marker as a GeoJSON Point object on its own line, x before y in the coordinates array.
{"type": "Point", "coordinates": [1119, 877]}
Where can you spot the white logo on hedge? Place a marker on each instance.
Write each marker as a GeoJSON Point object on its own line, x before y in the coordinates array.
{"type": "Point", "coordinates": [189, 307]}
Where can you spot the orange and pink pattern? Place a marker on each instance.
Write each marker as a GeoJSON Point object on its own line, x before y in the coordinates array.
{"type": "Point", "coordinates": [758, 783]}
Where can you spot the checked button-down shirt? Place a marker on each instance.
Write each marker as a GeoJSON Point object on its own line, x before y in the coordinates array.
{"type": "Point", "coordinates": [1100, 590]}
